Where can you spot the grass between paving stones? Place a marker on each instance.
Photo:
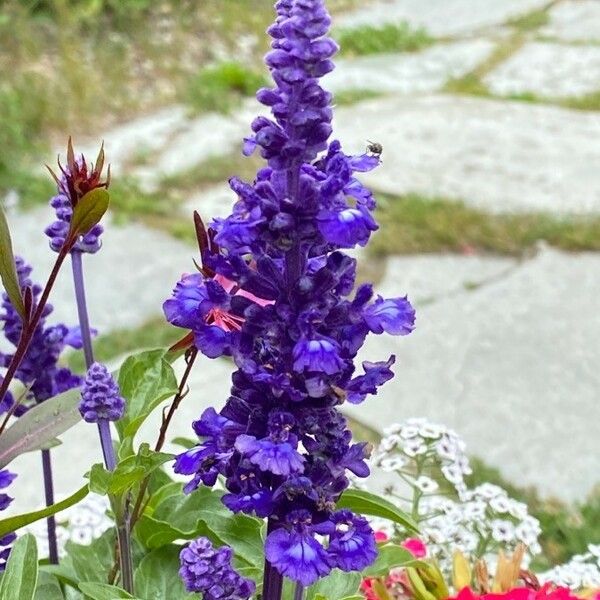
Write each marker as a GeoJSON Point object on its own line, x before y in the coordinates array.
{"type": "Point", "coordinates": [414, 223]}
{"type": "Point", "coordinates": [368, 39]}
{"type": "Point", "coordinates": [154, 333]}
{"type": "Point", "coordinates": [530, 21]}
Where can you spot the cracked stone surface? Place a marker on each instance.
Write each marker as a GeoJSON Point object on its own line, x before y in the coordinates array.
{"type": "Point", "coordinates": [440, 17]}
{"type": "Point", "coordinates": [407, 73]}
{"type": "Point", "coordinates": [574, 20]}
{"type": "Point", "coordinates": [512, 366]}
{"type": "Point", "coordinates": [551, 70]}
{"type": "Point", "coordinates": [499, 156]}
{"type": "Point", "coordinates": [126, 282]}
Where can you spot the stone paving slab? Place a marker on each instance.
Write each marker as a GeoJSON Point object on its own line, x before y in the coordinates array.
{"type": "Point", "coordinates": [127, 281]}
{"type": "Point", "coordinates": [512, 366]}
{"type": "Point", "coordinates": [440, 17]}
{"type": "Point", "coordinates": [408, 73]}
{"type": "Point", "coordinates": [574, 20]}
{"type": "Point", "coordinates": [499, 156]}
{"type": "Point", "coordinates": [550, 70]}
{"type": "Point", "coordinates": [212, 202]}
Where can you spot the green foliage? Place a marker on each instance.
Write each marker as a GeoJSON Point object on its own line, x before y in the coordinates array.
{"type": "Point", "coordinates": [90, 563]}
{"type": "Point", "coordinates": [389, 557]}
{"type": "Point", "coordinates": [413, 223]}
{"type": "Point", "coordinates": [103, 591]}
{"type": "Point", "coordinates": [369, 39]}
{"type": "Point", "coordinates": [48, 587]}
{"type": "Point", "coordinates": [366, 503]}
{"type": "Point", "coordinates": [20, 578]}
{"type": "Point", "coordinates": [221, 87]}
{"type": "Point", "coordinates": [336, 586]}
{"type": "Point", "coordinates": [8, 271]}
{"type": "Point", "coordinates": [145, 380]}
{"type": "Point", "coordinates": [16, 522]}
{"type": "Point", "coordinates": [88, 211]}
{"type": "Point", "coordinates": [157, 576]}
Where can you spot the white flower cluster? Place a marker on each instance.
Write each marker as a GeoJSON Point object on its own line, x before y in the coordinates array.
{"type": "Point", "coordinates": [80, 524]}
{"type": "Point", "coordinates": [430, 459]}
{"type": "Point", "coordinates": [582, 571]}
{"type": "Point", "coordinates": [416, 445]}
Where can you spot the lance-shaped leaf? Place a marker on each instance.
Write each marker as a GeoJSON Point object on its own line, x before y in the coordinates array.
{"type": "Point", "coordinates": [88, 211]}
{"type": "Point", "coordinates": [365, 503]}
{"type": "Point", "coordinates": [20, 577]}
{"type": "Point", "coordinates": [14, 523]}
{"type": "Point", "coordinates": [40, 425]}
{"type": "Point", "coordinates": [8, 272]}
{"type": "Point", "coordinates": [103, 591]}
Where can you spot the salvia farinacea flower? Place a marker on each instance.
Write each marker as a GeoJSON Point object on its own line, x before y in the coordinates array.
{"type": "Point", "coordinates": [101, 398]}
{"type": "Point", "coordinates": [75, 180]}
{"type": "Point", "coordinates": [208, 571]}
{"type": "Point", "coordinates": [39, 371]}
{"type": "Point", "coordinates": [276, 292]}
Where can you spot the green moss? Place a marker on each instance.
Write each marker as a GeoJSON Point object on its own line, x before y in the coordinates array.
{"type": "Point", "coordinates": [221, 87]}
{"type": "Point", "coordinates": [369, 39]}
{"type": "Point", "coordinates": [415, 223]}
{"type": "Point", "coordinates": [530, 21]}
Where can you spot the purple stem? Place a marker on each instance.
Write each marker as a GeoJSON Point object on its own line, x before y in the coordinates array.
{"type": "Point", "coordinates": [103, 425]}
{"type": "Point", "coordinates": [273, 580]}
{"type": "Point", "coordinates": [49, 492]}
{"type": "Point", "coordinates": [299, 592]}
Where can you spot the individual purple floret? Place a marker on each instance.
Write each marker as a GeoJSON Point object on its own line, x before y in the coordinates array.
{"type": "Point", "coordinates": [101, 398]}
{"type": "Point", "coordinates": [39, 371]}
{"type": "Point", "coordinates": [74, 181]}
{"type": "Point", "coordinates": [287, 312]}
{"type": "Point", "coordinates": [208, 571]}
{"type": "Point", "coordinates": [6, 478]}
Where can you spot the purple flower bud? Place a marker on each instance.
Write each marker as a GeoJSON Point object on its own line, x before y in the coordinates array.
{"type": "Point", "coordinates": [394, 315]}
{"type": "Point", "coordinates": [208, 571]}
{"type": "Point", "coordinates": [100, 396]}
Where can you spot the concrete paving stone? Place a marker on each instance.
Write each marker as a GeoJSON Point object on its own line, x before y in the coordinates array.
{"type": "Point", "coordinates": [574, 20]}
{"type": "Point", "coordinates": [212, 202]}
{"type": "Point", "coordinates": [512, 367]}
{"type": "Point", "coordinates": [127, 281]}
{"type": "Point", "coordinates": [551, 70]}
{"type": "Point", "coordinates": [409, 73]}
{"type": "Point", "coordinates": [439, 17]}
{"type": "Point", "coordinates": [496, 155]}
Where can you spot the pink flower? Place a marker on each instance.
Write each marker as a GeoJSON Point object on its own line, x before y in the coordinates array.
{"type": "Point", "coordinates": [415, 546]}
{"type": "Point", "coordinates": [382, 536]}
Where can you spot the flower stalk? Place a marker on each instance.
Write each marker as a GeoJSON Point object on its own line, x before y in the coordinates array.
{"type": "Point", "coordinates": [49, 497]}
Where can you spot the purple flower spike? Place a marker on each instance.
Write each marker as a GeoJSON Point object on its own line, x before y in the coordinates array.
{"type": "Point", "coordinates": [208, 571]}
{"type": "Point", "coordinates": [101, 399]}
{"type": "Point", "coordinates": [6, 478]}
{"type": "Point", "coordinates": [275, 291]}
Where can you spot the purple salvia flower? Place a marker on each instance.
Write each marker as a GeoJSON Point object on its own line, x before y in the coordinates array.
{"type": "Point", "coordinates": [39, 370]}
{"type": "Point", "coordinates": [285, 310]}
{"type": "Point", "coordinates": [6, 478]}
{"type": "Point", "coordinates": [101, 399]}
{"type": "Point", "coordinates": [208, 571]}
{"type": "Point", "coordinates": [75, 180]}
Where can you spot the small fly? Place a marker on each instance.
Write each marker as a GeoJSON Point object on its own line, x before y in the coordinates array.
{"type": "Point", "coordinates": [375, 148]}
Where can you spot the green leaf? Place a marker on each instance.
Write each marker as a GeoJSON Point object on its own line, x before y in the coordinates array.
{"type": "Point", "coordinates": [184, 442]}
{"type": "Point", "coordinates": [336, 586]}
{"type": "Point", "coordinates": [365, 503]}
{"type": "Point", "coordinates": [145, 380]}
{"type": "Point", "coordinates": [88, 211]}
{"type": "Point", "coordinates": [40, 425]}
{"type": "Point", "coordinates": [202, 513]}
{"type": "Point", "coordinates": [93, 563]}
{"type": "Point", "coordinates": [157, 576]}
{"type": "Point", "coordinates": [389, 557]}
{"type": "Point", "coordinates": [14, 523]}
{"type": "Point", "coordinates": [48, 588]}
{"type": "Point", "coordinates": [20, 577]}
{"type": "Point", "coordinates": [103, 591]}
{"type": "Point", "coordinates": [8, 271]}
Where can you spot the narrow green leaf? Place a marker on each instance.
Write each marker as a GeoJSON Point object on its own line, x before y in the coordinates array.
{"type": "Point", "coordinates": [157, 576]}
{"type": "Point", "coordinates": [40, 425]}
{"type": "Point", "coordinates": [20, 577]}
{"type": "Point", "coordinates": [48, 588]}
{"type": "Point", "coordinates": [88, 211]}
{"type": "Point", "coordinates": [184, 442]}
{"type": "Point", "coordinates": [8, 271]}
{"type": "Point", "coordinates": [389, 557]}
{"type": "Point", "coordinates": [93, 563]}
{"type": "Point", "coordinates": [336, 586]}
{"type": "Point", "coordinates": [365, 503]}
{"type": "Point", "coordinates": [145, 379]}
{"type": "Point", "coordinates": [103, 591]}
{"type": "Point", "coordinates": [99, 479]}
{"type": "Point", "coordinates": [14, 523]}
